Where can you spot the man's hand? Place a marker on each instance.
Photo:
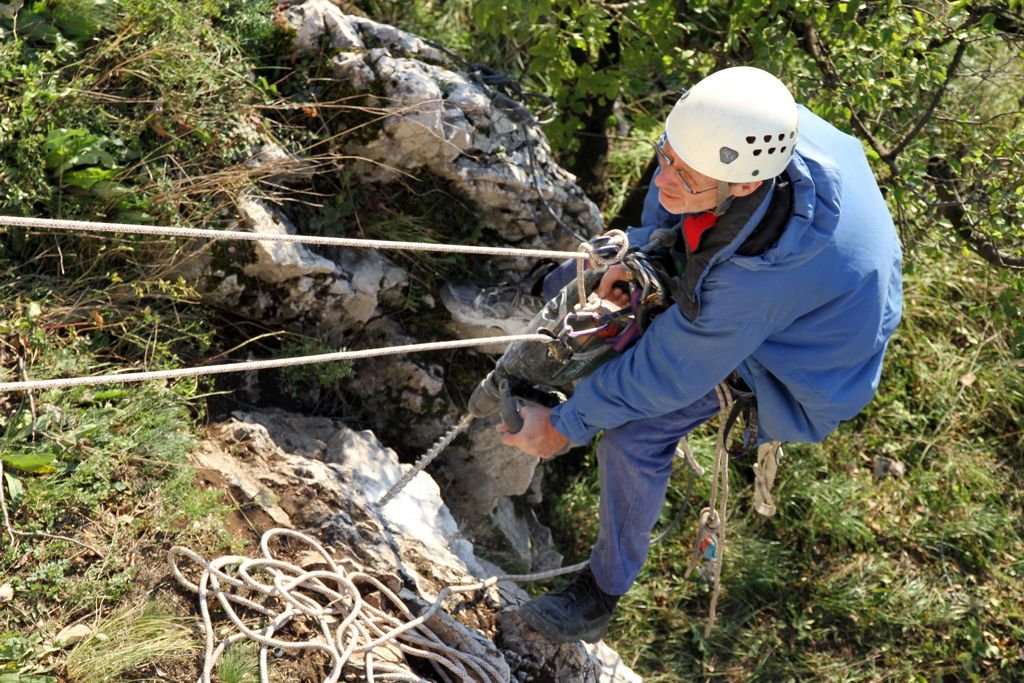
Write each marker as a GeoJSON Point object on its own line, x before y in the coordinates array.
{"type": "Point", "coordinates": [611, 286]}
{"type": "Point", "coordinates": [537, 437]}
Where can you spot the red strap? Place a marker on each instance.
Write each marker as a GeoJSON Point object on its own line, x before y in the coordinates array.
{"type": "Point", "coordinates": [695, 226]}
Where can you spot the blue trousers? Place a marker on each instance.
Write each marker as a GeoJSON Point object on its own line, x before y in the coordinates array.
{"type": "Point", "coordinates": [635, 463]}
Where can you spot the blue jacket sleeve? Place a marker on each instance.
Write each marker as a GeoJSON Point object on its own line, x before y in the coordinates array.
{"type": "Point", "coordinates": [676, 362]}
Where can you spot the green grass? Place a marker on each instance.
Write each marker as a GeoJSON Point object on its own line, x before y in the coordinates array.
{"type": "Point", "coordinates": [131, 637]}
{"type": "Point", "coordinates": [96, 479]}
{"type": "Point", "coordinates": [239, 663]}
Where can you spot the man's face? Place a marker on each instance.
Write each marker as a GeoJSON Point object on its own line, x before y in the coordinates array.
{"type": "Point", "coordinates": [680, 188]}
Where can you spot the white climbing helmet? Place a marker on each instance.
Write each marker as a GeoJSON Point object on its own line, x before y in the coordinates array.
{"type": "Point", "coordinates": [737, 125]}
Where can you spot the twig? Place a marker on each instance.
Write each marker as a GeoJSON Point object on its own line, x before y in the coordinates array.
{"type": "Point", "coordinates": [31, 398]}
{"type": "Point", "coordinates": [929, 112]}
{"type": "Point", "coordinates": [3, 506]}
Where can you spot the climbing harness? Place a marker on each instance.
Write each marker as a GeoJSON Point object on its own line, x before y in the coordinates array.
{"type": "Point", "coordinates": [585, 331]}
{"type": "Point", "coordinates": [577, 333]}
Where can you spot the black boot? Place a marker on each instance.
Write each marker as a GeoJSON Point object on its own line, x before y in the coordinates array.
{"type": "Point", "coordinates": [580, 611]}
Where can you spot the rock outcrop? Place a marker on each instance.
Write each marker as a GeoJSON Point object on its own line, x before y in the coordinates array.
{"type": "Point", "coordinates": [438, 115]}
{"type": "Point", "coordinates": [317, 475]}
{"type": "Point", "coordinates": [430, 115]}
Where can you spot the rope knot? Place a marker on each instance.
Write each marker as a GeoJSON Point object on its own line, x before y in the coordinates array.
{"type": "Point", "coordinates": [607, 249]}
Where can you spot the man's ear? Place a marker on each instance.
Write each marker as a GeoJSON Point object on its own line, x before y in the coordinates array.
{"type": "Point", "coordinates": [743, 189]}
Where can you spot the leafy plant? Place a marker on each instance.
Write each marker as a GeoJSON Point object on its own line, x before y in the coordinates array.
{"type": "Point", "coordinates": [19, 657]}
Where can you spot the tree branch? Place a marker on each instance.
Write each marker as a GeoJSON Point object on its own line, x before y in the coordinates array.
{"type": "Point", "coordinates": [818, 51]}
{"type": "Point", "coordinates": [926, 115]}
{"type": "Point", "coordinates": [953, 209]}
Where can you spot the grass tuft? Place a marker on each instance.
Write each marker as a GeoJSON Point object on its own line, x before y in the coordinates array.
{"type": "Point", "coordinates": [132, 636]}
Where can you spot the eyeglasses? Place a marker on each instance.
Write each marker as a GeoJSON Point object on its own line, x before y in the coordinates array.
{"type": "Point", "coordinates": [665, 162]}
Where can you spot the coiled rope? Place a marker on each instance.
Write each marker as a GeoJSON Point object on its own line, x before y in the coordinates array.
{"type": "Point", "coordinates": [329, 604]}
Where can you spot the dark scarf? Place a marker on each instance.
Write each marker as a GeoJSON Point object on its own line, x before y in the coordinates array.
{"type": "Point", "coordinates": [705, 235]}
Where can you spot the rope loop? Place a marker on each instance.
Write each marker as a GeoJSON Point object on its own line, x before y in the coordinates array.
{"type": "Point", "coordinates": [602, 251]}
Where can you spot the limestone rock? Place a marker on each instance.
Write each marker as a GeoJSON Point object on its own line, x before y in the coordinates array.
{"type": "Point", "coordinates": [441, 118]}
{"type": "Point", "coordinates": [72, 635]}
{"type": "Point", "coordinates": [288, 284]}
{"type": "Point", "coordinates": [277, 262]}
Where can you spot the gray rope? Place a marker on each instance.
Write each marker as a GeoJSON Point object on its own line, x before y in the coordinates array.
{"type": "Point", "coordinates": [427, 458]}
{"type": "Point", "coordinates": [264, 364]}
{"type": "Point", "coordinates": [133, 228]}
{"type": "Point", "coordinates": [713, 517]}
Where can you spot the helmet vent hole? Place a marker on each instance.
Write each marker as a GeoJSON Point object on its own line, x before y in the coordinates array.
{"type": "Point", "coordinates": [771, 150]}
{"type": "Point", "coordinates": [751, 139]}
{"type": "Point", "coordinates": [767, 138]}
{"type": "Point", "coordinates": [757, 152]}
{"type": "Point", "coordinates": [782, 150]}
{"type": "Point", "coordinates": [782, 136]}
{"type": "Point", "coordinates": [755, 172]}
{"type": "Point", "coordinates": [792, 134]}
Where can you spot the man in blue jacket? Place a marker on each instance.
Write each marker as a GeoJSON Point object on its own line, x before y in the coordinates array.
{"type": "Point", "coordinates": [788, 280]}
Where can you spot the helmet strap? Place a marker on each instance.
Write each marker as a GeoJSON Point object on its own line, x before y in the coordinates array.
{"type": "Point", "coordinates": [724, 198]}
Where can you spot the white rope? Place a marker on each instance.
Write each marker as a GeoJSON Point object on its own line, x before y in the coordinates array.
{"type": "Point", "coordinates": [264, 364]}
{"type": "Point", "coordinates": [587, 252]}
{"type": "Point", "coordinates": [328, 605]}
{"type": "Point", "coordinates": [713, 518]}
{"type": "Point", "coordinates": [133, 228]}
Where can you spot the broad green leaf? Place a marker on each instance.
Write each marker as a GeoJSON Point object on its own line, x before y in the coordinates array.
{"type": "Point", "coordinates": [15, 489]}
{"type": "Point", "coordinates": [85, 178]}
{"type": "Point", "coordinates": [34, 463]}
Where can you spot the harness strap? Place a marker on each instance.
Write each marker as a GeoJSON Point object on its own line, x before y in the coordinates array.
{"type": "Point", "coordinates": [743, 403]}
{"type": "Point", "coordinates": [768, 454]}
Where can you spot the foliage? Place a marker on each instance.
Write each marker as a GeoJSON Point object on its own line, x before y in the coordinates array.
{"type": "Point", "coordinates": [148, 123]}
{"type": "Point", "coordinates": [117, 489]}
{"type": "Point", "coordinates": [931, 89]}
{"type": "Point", "coordinates": [309, 384]}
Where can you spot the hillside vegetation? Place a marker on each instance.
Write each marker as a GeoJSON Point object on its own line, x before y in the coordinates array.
{"type": "Point", "coordinates": [897, 552]}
